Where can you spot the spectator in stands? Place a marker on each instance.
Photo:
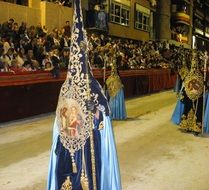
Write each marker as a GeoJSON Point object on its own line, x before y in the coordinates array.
{"type": "Point", "coordinates": [6, 28]}
{"type": "Point", "coordinates": [56, 37]}
{"type": "Point", "coordinates": [67, 29]}
{"type": "Point", "coordinates": [15, 35]}
{"type": "Point", "coordinates": [40, 55]}
{"type": "Point", "coordinates": [67, 3]}
{"type": "Point", "coordinates": [45, 30]}
{"type": "Point", "coordinates": [32, 45]}
{"type": "Point", "coordinates": [6, 45]}
{"type": "Point", "coordinates": [49, 42]}
{"type": "Point", "coordinates": [8, 57]}
{"type": "Point", "coordinates": [21, 58]}
{"type": "Point", "coordinates": [15, 67]}
{"type": "Point", "coordinates": [65, 57]}
{"type": "Point", "coordinates": [22, 29]}
{"type": "Point", "coordinates": [64, 42]}
{"type": "Point", "coordinates": [27, 66]}
{"type": "Point", "coordinates": [98, 58]}
{"type": "Point", "coordinates": [34, 65]}
{"type": "Point", "coordinates": [56, 62]}
{"type": "Point", "coordinates": [46, 59]}
{"type": "Point", "coordinates": [38, 30]}
{"type": "Point", "coordinates": [48, 66]}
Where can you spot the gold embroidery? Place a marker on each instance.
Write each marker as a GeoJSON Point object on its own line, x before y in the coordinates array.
{"type": "Point", "coordinates": [189, 123]}
{"type": "Point", "coordinates": [67, 185]}
{"type": "Point", "coordinates": [113, 81]}
{"type": "Point", "coordinates": [183, 72]}
{"type": "Point", "coordinates": [101, 125]}
{"type": "Point", "coordinates": [113, 85]}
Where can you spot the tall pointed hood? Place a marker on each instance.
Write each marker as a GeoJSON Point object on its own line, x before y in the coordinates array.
{"type": "Point", "coordinates": [75, 90]}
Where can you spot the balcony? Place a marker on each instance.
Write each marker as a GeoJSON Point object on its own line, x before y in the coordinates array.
{"type": "Point", "coordinates": [181, 17]}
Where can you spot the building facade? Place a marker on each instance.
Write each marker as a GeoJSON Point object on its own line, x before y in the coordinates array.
{"type": "Point", "coordinates": [181, 22]}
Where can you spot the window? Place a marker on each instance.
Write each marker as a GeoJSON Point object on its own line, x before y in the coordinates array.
{"type": "Point", "coordinates": [142, 21]}
{"type": "Point", "coordinates": [207, 29]}
{"type": "Point", "coordinates": [19, 2]}
{"type": "Point", "coordinates": [142, 18]}
{"type": "Point", "coordinates": [119, 14]}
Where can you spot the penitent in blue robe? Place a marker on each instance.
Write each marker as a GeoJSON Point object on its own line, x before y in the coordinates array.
{"type": "Point", "coordinates": [117, 106]}
{"type": "Point", "coordinates": [74, 151]}
{"type": "Point", "coordinates": [179, 109]}
{"type": "Point", "coordinates": [206, 115]}
{"type": "Point", "coordinates": [107, 170]}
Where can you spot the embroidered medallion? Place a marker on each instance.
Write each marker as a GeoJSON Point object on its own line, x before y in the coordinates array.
{"type": "Point", "coordinates": [194, 85]}
{"type": "Point", "coordinates": [194, 81]}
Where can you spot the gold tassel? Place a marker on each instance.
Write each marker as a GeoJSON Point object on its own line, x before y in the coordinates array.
{"type": "Point", "coordinates": [84, 181]}
{"type": "Point", "coordinates": [74, 168]}
{"type": "Point", "coordinates": [67, 185]}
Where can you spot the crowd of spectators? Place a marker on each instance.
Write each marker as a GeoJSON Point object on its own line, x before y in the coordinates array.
{"type": "Point", "coordinates": [33, 48]}
{"type": "Point", "coordinates": [67, 3]}
{"type": "Point", "coordinates": [131, 54]}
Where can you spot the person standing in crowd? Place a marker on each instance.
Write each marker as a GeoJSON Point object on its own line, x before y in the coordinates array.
{"type": "Point", "coordinates": [67, 28]}
{"type": "Point", "coordinates": [64, 42]}
{"type": "Point", "coordinates": [115, 90]}
{"type": "Point", "coordinates": [65, 57]}
{"type": "Point", "coordinates": [6, 28]}
{"type": "Point", "coordinates": [83, 154]}
{"type": "Point", "coordinates": [55, 62]}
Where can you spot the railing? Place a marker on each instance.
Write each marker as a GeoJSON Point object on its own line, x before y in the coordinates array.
{"type": "Point", "coordinates": [28, 94]}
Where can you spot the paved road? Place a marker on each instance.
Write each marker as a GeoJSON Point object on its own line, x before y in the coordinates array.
{"type": "Point", "coordinates": [153, 153]}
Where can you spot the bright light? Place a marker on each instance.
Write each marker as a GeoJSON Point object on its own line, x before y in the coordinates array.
{"type": "Point", "coordinates": [193, 42]}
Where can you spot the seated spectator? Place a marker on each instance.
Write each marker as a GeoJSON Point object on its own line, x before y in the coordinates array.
{"type": "Point", "coordinates": [27, 66]}
{"type": "Point", "coordinates": [9, 56]}
{"type": "Point", "coordinates": [6, 45]}
{"type": "Point", "coordinates": [46, 59]}
{"type": "Point", "coordinates": [31, 60]}
{"type": "Point", "coordinates": [65, 58]}
{"type": "Point", "coordinates": [15, 67]}
{"type": "Point", "coordinates": [48, 66]}
{"type": "Point", "coordinates": [21, 58]}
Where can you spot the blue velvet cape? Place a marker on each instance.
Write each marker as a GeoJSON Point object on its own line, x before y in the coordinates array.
{"type": "Point", "coordinates": [108, 175]}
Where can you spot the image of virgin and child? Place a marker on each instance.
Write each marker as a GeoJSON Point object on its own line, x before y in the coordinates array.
{"type": "Point", "coordinates": [71, 120]}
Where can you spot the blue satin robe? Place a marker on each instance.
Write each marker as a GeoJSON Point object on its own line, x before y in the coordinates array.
{"type": "Point", "coordinates": [206, 115]}
{"type": "Point", "coordinates": [107, 169]}
{"type": "Point", "coordinates": [117, 106]}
